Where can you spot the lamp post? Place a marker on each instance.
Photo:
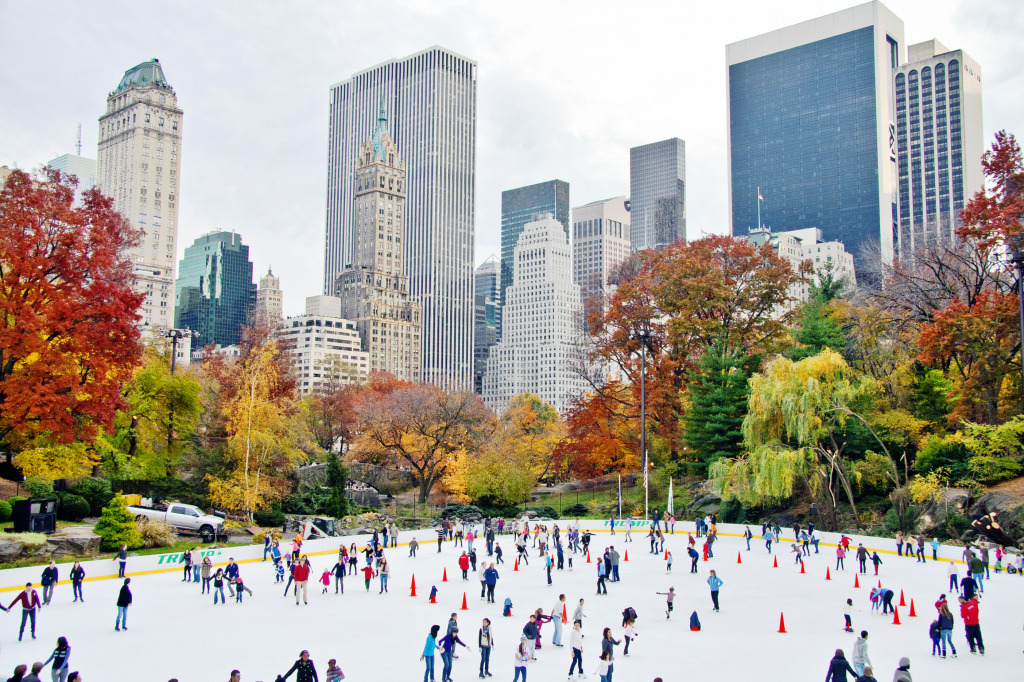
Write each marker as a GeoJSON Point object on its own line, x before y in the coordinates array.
{"type": "Point", "coordinates": [174, 335]}
{"type": "Point", "coordinates": [645, 338]}
{"type": "Point", "coordinates": [1018, 262]}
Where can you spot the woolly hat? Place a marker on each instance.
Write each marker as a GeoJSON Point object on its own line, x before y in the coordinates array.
{"type": "Point", "coordinates": [904, 662]}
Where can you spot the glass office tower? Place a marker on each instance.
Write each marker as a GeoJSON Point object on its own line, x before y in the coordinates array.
{"type": "Point", "coordinates": [520, 206]}
{"type": "Point", "coordinates": [215, 292]}
{"type": "Point", "coordinates": [811, 128]}
{"type": "Point", "coordinates": [657, 186]}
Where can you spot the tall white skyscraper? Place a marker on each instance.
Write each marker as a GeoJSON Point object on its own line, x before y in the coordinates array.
{"type": "Point", "coordinates": [600, 241]}
{"type": "Point", "coordinates": [540, 323]}
{"type": "Point", "coordinates": [939, 139]}
{"type": "Point", "coordinates": [138, 166]}
{"type": "Point", "coordinates": [431, 98]}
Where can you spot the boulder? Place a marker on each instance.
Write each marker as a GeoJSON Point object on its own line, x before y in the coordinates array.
{"type": "Point", "coordinates": [933, 514]}
{"type": "Point", "coordinates": [9, 551]}
{"type": "Point", "coordinates": [994, 502]}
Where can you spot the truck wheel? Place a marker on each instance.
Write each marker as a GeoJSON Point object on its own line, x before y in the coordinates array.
{"type": "Point", "coordinates": [207, 533]}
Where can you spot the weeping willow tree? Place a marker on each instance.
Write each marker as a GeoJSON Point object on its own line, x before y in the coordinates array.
{"type": "Point", "coordinates": [797, 415]}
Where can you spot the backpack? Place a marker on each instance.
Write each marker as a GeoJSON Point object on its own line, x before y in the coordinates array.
{"type": "Point", "coordinates": [629, 614]}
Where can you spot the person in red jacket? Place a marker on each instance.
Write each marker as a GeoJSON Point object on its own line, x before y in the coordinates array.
{"type": "Point", "coordinates": [29, 599]}
{"type": "Point", "coordinates": [464, 565]}
{"type": "Point", "coordinates": [368, 575]}
{"type": "Point", "coordinates": [969, 612]}
{"type": "Point", "coordinates": [301, 579]}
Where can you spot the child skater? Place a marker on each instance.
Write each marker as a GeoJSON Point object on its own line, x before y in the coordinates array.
{"type": "Point", "coordinates": [847, 613]}
{"type": "Point", "coordinates": [325, 580]}
{"type": "Point", "coordinates": [670, 597]}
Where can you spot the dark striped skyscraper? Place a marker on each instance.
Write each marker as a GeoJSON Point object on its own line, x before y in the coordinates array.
{"type": "Point", "coordinates": [431, 100]}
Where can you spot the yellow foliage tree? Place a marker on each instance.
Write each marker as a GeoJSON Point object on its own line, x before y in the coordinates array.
{"type": "Point", "coordinates": [58, 460]}
{"type": "Point", "coordinates": [264, 432]}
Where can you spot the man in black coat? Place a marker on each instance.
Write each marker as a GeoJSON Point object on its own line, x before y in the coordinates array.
{"type": "Point", "coordinates": [124, 600]}
{"type": "Point", "coordinates": [838, 667]}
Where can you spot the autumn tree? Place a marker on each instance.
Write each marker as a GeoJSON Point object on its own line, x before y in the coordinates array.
{"type": "Point", "coordinates": [264, 437]}
{"type": "Point", "coordinates": [422, 427]}
{"type": "Point", "coordinates": [69, 308]}
{"type": "Point", "coordinates": [330, 415]}
{"type": "Point", "coordinates": [601, 434]}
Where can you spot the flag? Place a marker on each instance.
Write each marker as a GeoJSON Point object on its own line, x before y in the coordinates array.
{"type": "Point", "coordinates": [670, 509]}
{"type": "Point", "coordinates": [759, 197]}
{"type": "Point", "coordinates": [645, 478]}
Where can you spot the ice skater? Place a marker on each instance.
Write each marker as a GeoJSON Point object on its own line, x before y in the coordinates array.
{"type": "Point", "coordinates": [668, 562]}
{"type": "Point", "coordinates": [861, 659]}
{"type": "Point", "coordinates": [60, 656]}
{"type": "Point", "coordinates": [77, 576]}
{"type": "Point", "coordinates": [576, 642]}
{"type": "Point", "coordinates": [124, 600]}
{"type": "Point", "coordinates": [29, 599]}
{"type": "Point", "coordinates": [876, 561]}
{"type": "Point", "coordinates": [629, 634]}
{"type": "Point", "coordinates": [840, 555]}
{"type": "Point", "coordinates": [608, 644]}
{"type": "Point", "coordinates": [670, 598]}
{"type": "Point", "coordinates": [694, 558]}
{"type": "Point", "coordinates": [428, 653]}
{"type": "Point", "coordinates": [303, 668]}
{"type": "Point", "coordinates": [218, 587]}
{"type": "Point", "coordinates": [715, 583]}
{"type": "Point", "coordinates": [485, 640]}
{"type": "Point", "coordinates": [847, 615]}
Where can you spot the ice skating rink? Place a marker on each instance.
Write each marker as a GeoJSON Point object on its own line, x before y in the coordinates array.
{"type": "Point", "coordinates": [174, 631]}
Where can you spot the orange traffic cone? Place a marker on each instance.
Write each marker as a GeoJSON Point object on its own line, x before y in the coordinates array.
{"type": "Point", "coordinates": [433, 598]}
{"type": "Point", "coordinates": [739, 557]}
{"type": "Point", "coordinates": [856, 580]}
{"type": "Point", "coordinates": [626, 557]}
{"type": "Point", "coordinates": [896, 617]}
{"type": "Point", "coordinates": [776, 564]}
{"type": "Point", "coordinates": [588, 557]}
{"type": "Point", "coordinates": [565, 615]}
{"type": "Point", "coordinates": [802, 569]}
{"type": "Point", "coordinates": [516, 567]}
{"type": "Point", "coordinates": [413, 594]}
{"type": "Point", "coordinates": [879, 583]}
{"type": "Point", "coordinates": [444, 578]}
{"type": "Point", "coordinates": [782, 623]}
{"type": "Point", "coordinates": [903, 602]}
{"type": "Point", "coordinates": [913, 613]}
{"type": "Point", "coordinates": [665, 558]}
{"type": "Point", "coordinates": [465, 606]}
{"type": "Point", "coordinates": [828, 573]}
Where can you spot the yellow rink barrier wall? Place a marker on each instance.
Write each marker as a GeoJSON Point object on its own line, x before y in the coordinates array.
{"type": "Point", "coordinates": [14, 579]}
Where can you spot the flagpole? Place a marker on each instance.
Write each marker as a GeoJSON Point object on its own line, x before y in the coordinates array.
{"type": "Point", "coordinates": [620, 497]}
{"type": "Point", "coordinates": [759, 208]}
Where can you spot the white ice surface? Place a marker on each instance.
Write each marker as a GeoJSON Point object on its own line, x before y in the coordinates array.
{"type": "Point", "coordinates": [176, 632]}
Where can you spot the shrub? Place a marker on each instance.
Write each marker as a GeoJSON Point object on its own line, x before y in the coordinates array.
{"type": "Point", "coordinates": [272, 517]}
{"type": "Point", "coordinates": [156, 534]}
{"type": "Point", "coordinates": [545, 511]}
{"type": "Point", "coordinates": [309, 499]}
{"type": "Point", "coordinates": [116, 526]}
{"type": "Point", "coordinates": [72, 507]}
{"type": "Point", "coordinates": [38, 486]}
{"type": "Point", "coordinates": [578, 509]}
{"type": "Point", "coordinates": [732, 511]}
{"type": "Point", "coordinates": [892, 520]}
{"type": "Point", "coordinates": [943, 451]}
{"type": "Point", "coordinates": [992, 469]}
{"type": "Point", "coordinates": [16, 498]}
{"type": "Point", "coordinates": [5, 511]}
{"type": "Point", "coordinates": [96, 491]}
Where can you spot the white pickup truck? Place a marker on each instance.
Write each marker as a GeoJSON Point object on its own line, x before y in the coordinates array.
{"type": "Point", "coordinates": [183, 517]}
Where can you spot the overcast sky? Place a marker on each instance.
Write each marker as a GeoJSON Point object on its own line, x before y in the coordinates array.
{"type": "Point", "coordinates": [565, 89]}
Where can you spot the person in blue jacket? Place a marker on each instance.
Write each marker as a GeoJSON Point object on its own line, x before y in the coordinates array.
{"type": "Point", "coordinates": [231, 575]}
{"type": "Point", "coordinates": [447, 645]}
{"type": "Point", "coordinates": [490, 580]}
{"type": "Point", "coordinates": [49, 579]}
{"type": "Point", "coordinates": [715, 583]}
{"type": "Point", "coordinates": [428, 653]}
{"type": "Point", "coordinates": [694, 557]}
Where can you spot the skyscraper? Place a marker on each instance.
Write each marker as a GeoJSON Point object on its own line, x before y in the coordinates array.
{"type": "Point", "coordinates": [540, 321]}
{"type": "Point", "coordinates": [939, 140]}
{"type": "Point", "coordinates": [657, 186]}
{"type": "Point", "coordinates": [600, 241]}
{"type": "Point", "coordinates": [486, 315]}
{"type": "Point", "coordinates": [431, 97]}
{"type": "Point", "coordinates": [81, 167]}
{"type": "Point", "coordinates": [215, 293]}
{"type": "Point", "coordinates": [374, 292]}
{"type": "Point", "coordinates": [520, 206]}
{"type": "Point", "coordinates": [811, 127]}
{"type": "Point", "coordinates": [325, 349]}
{"type": "Point", "coordinates": [270, 298]}
{"type": "Point", "coordinates": [138, 166]}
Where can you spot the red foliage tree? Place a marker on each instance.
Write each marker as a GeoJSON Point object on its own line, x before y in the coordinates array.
{"type": "Point", "coordinates": [69, 309]}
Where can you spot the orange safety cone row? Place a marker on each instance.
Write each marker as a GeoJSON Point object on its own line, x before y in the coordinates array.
{"type": "Point", "coordinates": [465, 606]}
{"type": "Point", "coordinates": [626, 557]}
{"type": "Point", "coordinates": [413, 594]}
{"type": "Point", "coordinates": [739, 557]}
{"type": "Point", "coordinates": [896, 616]}
{"type": "Point", "coordinates": [444, 578]}
{"type": "Point", "coordinates": [913, 613]}
{"type": "Point", "coordinates": [903, 602]}
{"type": "Point", "coordinates": [565, 615]}
{"type": "Point", "coordinates": [828, 573]}
{"type": "Point", "coordinates": [776, 564]}
{"type": "Point", "coordinates": [782, 623]}
{"type": "Point", "coordinates": [856, 580]}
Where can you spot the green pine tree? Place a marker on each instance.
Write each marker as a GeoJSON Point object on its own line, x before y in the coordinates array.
{"type": "Point", "coordinates": [337, 478]}
{"type": "Point", "coordinates": [116, 526]}
{"type": "Point", "coordinates": [718, 404]}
